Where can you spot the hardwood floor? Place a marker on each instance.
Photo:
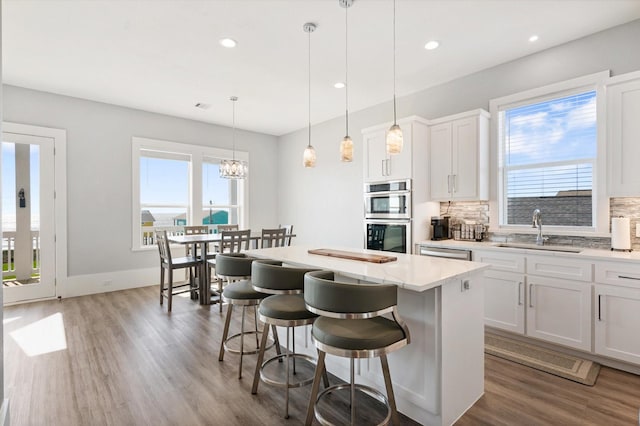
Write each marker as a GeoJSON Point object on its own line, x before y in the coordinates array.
{"type": "Point", "coordinates": [126, 362]}
{"type": "Point", "coordinates": [119, 359]}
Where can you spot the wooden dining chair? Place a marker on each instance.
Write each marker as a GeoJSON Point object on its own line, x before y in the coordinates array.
{"type": "Point", "coordinates": [230, 227]}
{"type": "Point", "coordinates": [230, 242]}
{"type": "Point", "coordinates": [289, 230]}
{"type": "Point", "coordinates": [191, 250]}
{"type": "Point", "coordinates": [168, 264]}
{"type": "Point", "coordinates": [273, 237]}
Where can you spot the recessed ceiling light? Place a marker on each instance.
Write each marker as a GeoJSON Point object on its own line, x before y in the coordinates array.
{"type": "Point", "coordinates": [228, 42]}
{"type": "Point", "coordinates": [339, 85]}
{"type": "Point", "coordinates": [433, 44]}
{"type": "Point", "coordinates": [202, 105]}
{"type": "Point", "coordinates": [533, 38]}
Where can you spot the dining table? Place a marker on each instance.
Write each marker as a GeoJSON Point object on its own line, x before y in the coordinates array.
{"type": "Point", "coordinates": [202, 242]}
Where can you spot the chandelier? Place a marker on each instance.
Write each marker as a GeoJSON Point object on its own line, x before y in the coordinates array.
{"type": "Point", "coordinates": [233, 169]}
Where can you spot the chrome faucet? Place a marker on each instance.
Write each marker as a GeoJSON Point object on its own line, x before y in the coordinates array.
{"type": "Point", "coordinates": [537, 222]}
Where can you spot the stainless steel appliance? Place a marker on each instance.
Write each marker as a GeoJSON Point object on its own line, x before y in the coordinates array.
{"type": "Point", "coordinates": [387, 200]}
{"type": "Point", "coordinates": [449, 253]}
{"type": "Point", "coordinates": [388, 235]}
{"type": "Point", "coordinates": [387, 212]}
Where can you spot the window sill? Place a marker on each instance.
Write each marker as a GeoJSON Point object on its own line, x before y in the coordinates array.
{"type": "Point", "coordinates": [549, 230]}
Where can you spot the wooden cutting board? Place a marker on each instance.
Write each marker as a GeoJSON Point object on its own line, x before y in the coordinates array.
{"type": "Point", "coordinates": [373, 258]}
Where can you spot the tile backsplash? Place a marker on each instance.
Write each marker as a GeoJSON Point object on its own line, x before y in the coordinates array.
{"type": "Point", "coordinates": [478, 212]}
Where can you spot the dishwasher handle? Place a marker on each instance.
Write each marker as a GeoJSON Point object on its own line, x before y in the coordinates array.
{"type": "Point", "coordinates": [447, 253]}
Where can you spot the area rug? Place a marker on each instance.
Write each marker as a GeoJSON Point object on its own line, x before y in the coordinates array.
{"type": "Point", "coordinates": [566, 366]}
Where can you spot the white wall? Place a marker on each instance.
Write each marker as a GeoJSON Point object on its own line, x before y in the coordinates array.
{"type": "Point", "coordinates": [99, 173]}
{"type": "Point", "coordinates": [325, 203]}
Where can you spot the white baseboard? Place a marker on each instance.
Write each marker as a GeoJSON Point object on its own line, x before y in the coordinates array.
{"type": "Point", "coordinates": [82, 285]}
{"type": "Point", "coordinates": [5, 419]}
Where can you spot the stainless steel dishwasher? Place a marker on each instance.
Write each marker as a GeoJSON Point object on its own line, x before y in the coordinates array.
{"type": "Point", "coordinates": [460, 254]}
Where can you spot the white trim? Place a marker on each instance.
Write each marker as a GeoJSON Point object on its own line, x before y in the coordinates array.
{"type": "Point", "coordinates": [595, 81]}
{"type": "Point", "coordinates": [82, 285]}
{"type": "Point", "coordinates": [5, 417]}
{"type": "Point", "coordinates": [59, 137]}
{"type": "Point", "coordinates": [402, 121]}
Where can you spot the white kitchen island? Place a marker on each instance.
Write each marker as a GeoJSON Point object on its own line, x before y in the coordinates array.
{"type": "Point", "coordinates": [441, 373]}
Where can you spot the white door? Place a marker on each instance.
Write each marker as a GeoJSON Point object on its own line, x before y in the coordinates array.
{"type": "Point", "coordinates": [617, 322]}
{"type": "Point", "coordinates": [504, 300]}
{"type": "Point", "coordinates": [464, 141]}
{"type": "Point", "coordinates": [559, 311]}
{"type": "Point", "coordinates": [440, 161]}
{"type": "Point", "coordinates": [376, 164]}
{"type": "Point", "coordinates": [28, 217]}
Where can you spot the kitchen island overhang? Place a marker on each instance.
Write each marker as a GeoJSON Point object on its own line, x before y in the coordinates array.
{"type": "Point", "coordinates": [441, 373]}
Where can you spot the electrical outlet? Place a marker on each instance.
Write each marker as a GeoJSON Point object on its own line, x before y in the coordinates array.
{"type": "Point", "coordinates": [107, 283]}
{"type": "Point", "coordinates": [638, 229]}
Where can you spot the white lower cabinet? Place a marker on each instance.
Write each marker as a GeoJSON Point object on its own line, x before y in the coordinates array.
{"type": "Point", "coordinates": [504, 302]}
{"type": "Point", "coordinates": [559, 311]}
{"type": "Point", "coordinates": [617, 322]}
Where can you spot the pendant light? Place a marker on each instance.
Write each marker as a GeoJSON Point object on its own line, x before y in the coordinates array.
{"type": "Point", "coordinates": [233, 169]}
{"type": "Point", "coordinates": [394, 134]}
{"type": "Point", "coordinates": [346, 146]}
{"type": "Point", "coordinates": [309, 156]}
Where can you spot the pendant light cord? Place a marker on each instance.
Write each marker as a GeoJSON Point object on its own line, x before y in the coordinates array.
{"type": "Point", "coordinates": [394, 62]}
{"type": "Point", "coordinates": [234, 128]}
{"type": "Point", "coordinates": [346, 68]}
{"type": "Point", "coordinates": [309, 88]}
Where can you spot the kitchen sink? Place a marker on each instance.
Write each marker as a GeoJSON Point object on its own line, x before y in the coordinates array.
{"type": "Point", "coordinates": [543, 248]}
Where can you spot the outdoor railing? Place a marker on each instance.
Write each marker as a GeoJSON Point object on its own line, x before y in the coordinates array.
{"type": "Point", "coordinates": [8, 253]}
{"type": "Point", "coordinates": [149, 232]}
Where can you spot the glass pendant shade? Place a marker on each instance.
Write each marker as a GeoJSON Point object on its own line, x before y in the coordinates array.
{"type": "Point", "coordinates": [394, 140]}
{"type": "Point", "coordinates": [233, 169]}
{"type": "Point", "coordinates": [309, 157]}
{"type": "Point", "coordinates": [346, 149]}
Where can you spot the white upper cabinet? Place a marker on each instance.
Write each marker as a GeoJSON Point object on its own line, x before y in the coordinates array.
{"type": "Point", "coordinates": [459, 157]}
{"type": "Point", "coordinates": [379, 166]}
{"type": "Point", "coordinates": [623, 135]}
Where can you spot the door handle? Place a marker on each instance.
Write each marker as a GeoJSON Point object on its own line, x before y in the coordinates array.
{"type": "Point", "coordinates": [531, 295]}
{"type": "Point", "coordinates": [599, 307]}
{"type": "Point", "coordinates": [520, 293]}
{"type": "Point", "coordinates": [626, 277]}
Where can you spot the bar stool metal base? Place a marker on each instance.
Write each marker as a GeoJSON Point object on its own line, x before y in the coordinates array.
{"type": "Point", "coordinates": [309, 360]}
{"type": "Point", "coordinates": [231, 349]}
{"type": "Point", "coordinates": [374, 393]}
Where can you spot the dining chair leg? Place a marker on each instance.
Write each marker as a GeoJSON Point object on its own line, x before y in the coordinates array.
{"type": "Point", "coordinates": [170, 290]}
{"type": "Point", "coordinates": [315, 388]}
{"type": "Point", "coordinates": [161, 285]}
{"type": "Point", "coordinates": [263, 345]}
{"type": "Point", "coordinates": [225, 332]}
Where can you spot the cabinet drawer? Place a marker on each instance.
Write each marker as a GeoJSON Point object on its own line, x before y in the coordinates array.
{"type": "Point", "coordinates": [618, 273]}
{"type": "Point", "coordinates": [560, 267]}
{"type": "Point", "coordinates": [500, 261]}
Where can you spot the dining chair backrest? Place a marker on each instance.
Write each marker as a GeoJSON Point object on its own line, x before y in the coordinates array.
{"type": "Point", "coordinates": [196, 229]}
{"type": "Point", "coordinates": [289, 231]}
{"type": "Point", "coordinates": [225, 228]}
{"type": "Point", "coordinates": [163, 247]}
{"type": "Point", "coordinates": [273, 237]}
{"type": "Point", "coordinates": [234, 241]}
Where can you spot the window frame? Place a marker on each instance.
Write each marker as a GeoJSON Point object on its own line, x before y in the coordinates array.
{"type": "Point", "coordinates": [600, 201]}
{"type": "Point", "coordinates": [196, 155]}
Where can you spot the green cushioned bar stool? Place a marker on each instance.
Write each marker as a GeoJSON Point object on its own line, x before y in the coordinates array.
{"type": "Point", "coordinates": [236, 269]}
{"type": "Point", "coordinates": [285, 308]}
{"type": "Point", "coordinates": [352, 325]}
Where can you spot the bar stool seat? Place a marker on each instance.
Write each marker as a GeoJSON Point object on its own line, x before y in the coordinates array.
{"type": "Point", "coordinates": [284, 308]}
{"type": "Point", "coordinates": [351, 325]}
{"type": "Point", "coordinates": [232, 266]}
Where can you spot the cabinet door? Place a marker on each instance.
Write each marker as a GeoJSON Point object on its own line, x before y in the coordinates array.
{"type": "Point", "coordinates": [559, 311]}
{"type": "Point", "coordinates": [623, 110]}
{"type": "Point", "coordinates": [504, 300]}
{"type": "Point", "coordinates": [375, 160]}
{"type": "Point", "coordinates": [440, 161]}
{"type": "Point", "coordinates": [617, 322]}
{"type": "Point", "coordinates": [464, 169]}
{"type": "Point", "coordinates": [399, 165]}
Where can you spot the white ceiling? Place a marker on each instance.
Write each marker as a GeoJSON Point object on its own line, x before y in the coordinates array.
{"type": "Point", "coordinates": [164, 56]}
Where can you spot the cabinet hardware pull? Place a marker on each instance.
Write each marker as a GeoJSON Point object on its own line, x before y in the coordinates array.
{"type": "Point", "coordinates": [531, 295]}
{"type": "Point", "coordinates": [625, 277]}
{"type": "Point", "coordinates": [599, 307]}
{"type": "Point", "coordinates": [520, 293]}
{"type": "Point", "coordinates": [455, 183]}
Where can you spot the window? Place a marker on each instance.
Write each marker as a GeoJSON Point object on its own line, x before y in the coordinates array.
{"type": "Point", "coordinates": [175, 185]}
{"type": "Point", "coordinates": [548, 158]}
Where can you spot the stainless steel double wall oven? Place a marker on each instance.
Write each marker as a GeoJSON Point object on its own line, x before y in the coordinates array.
{"type": "Point", "coordinates": [387, 212]}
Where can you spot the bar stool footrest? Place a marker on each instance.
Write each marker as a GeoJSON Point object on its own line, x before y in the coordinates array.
{"type": "Point", "coordinates": [371, 392]}
{"type": "Point", "coordinates": [308, 365]}
{"type": "Point", "coordinates": [232, 350]}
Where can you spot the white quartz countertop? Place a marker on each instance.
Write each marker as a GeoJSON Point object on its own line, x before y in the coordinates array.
{"type": "Point", "coordinates": [585, 253]}
{"type": "Point", "coordinates": [412, 272]}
